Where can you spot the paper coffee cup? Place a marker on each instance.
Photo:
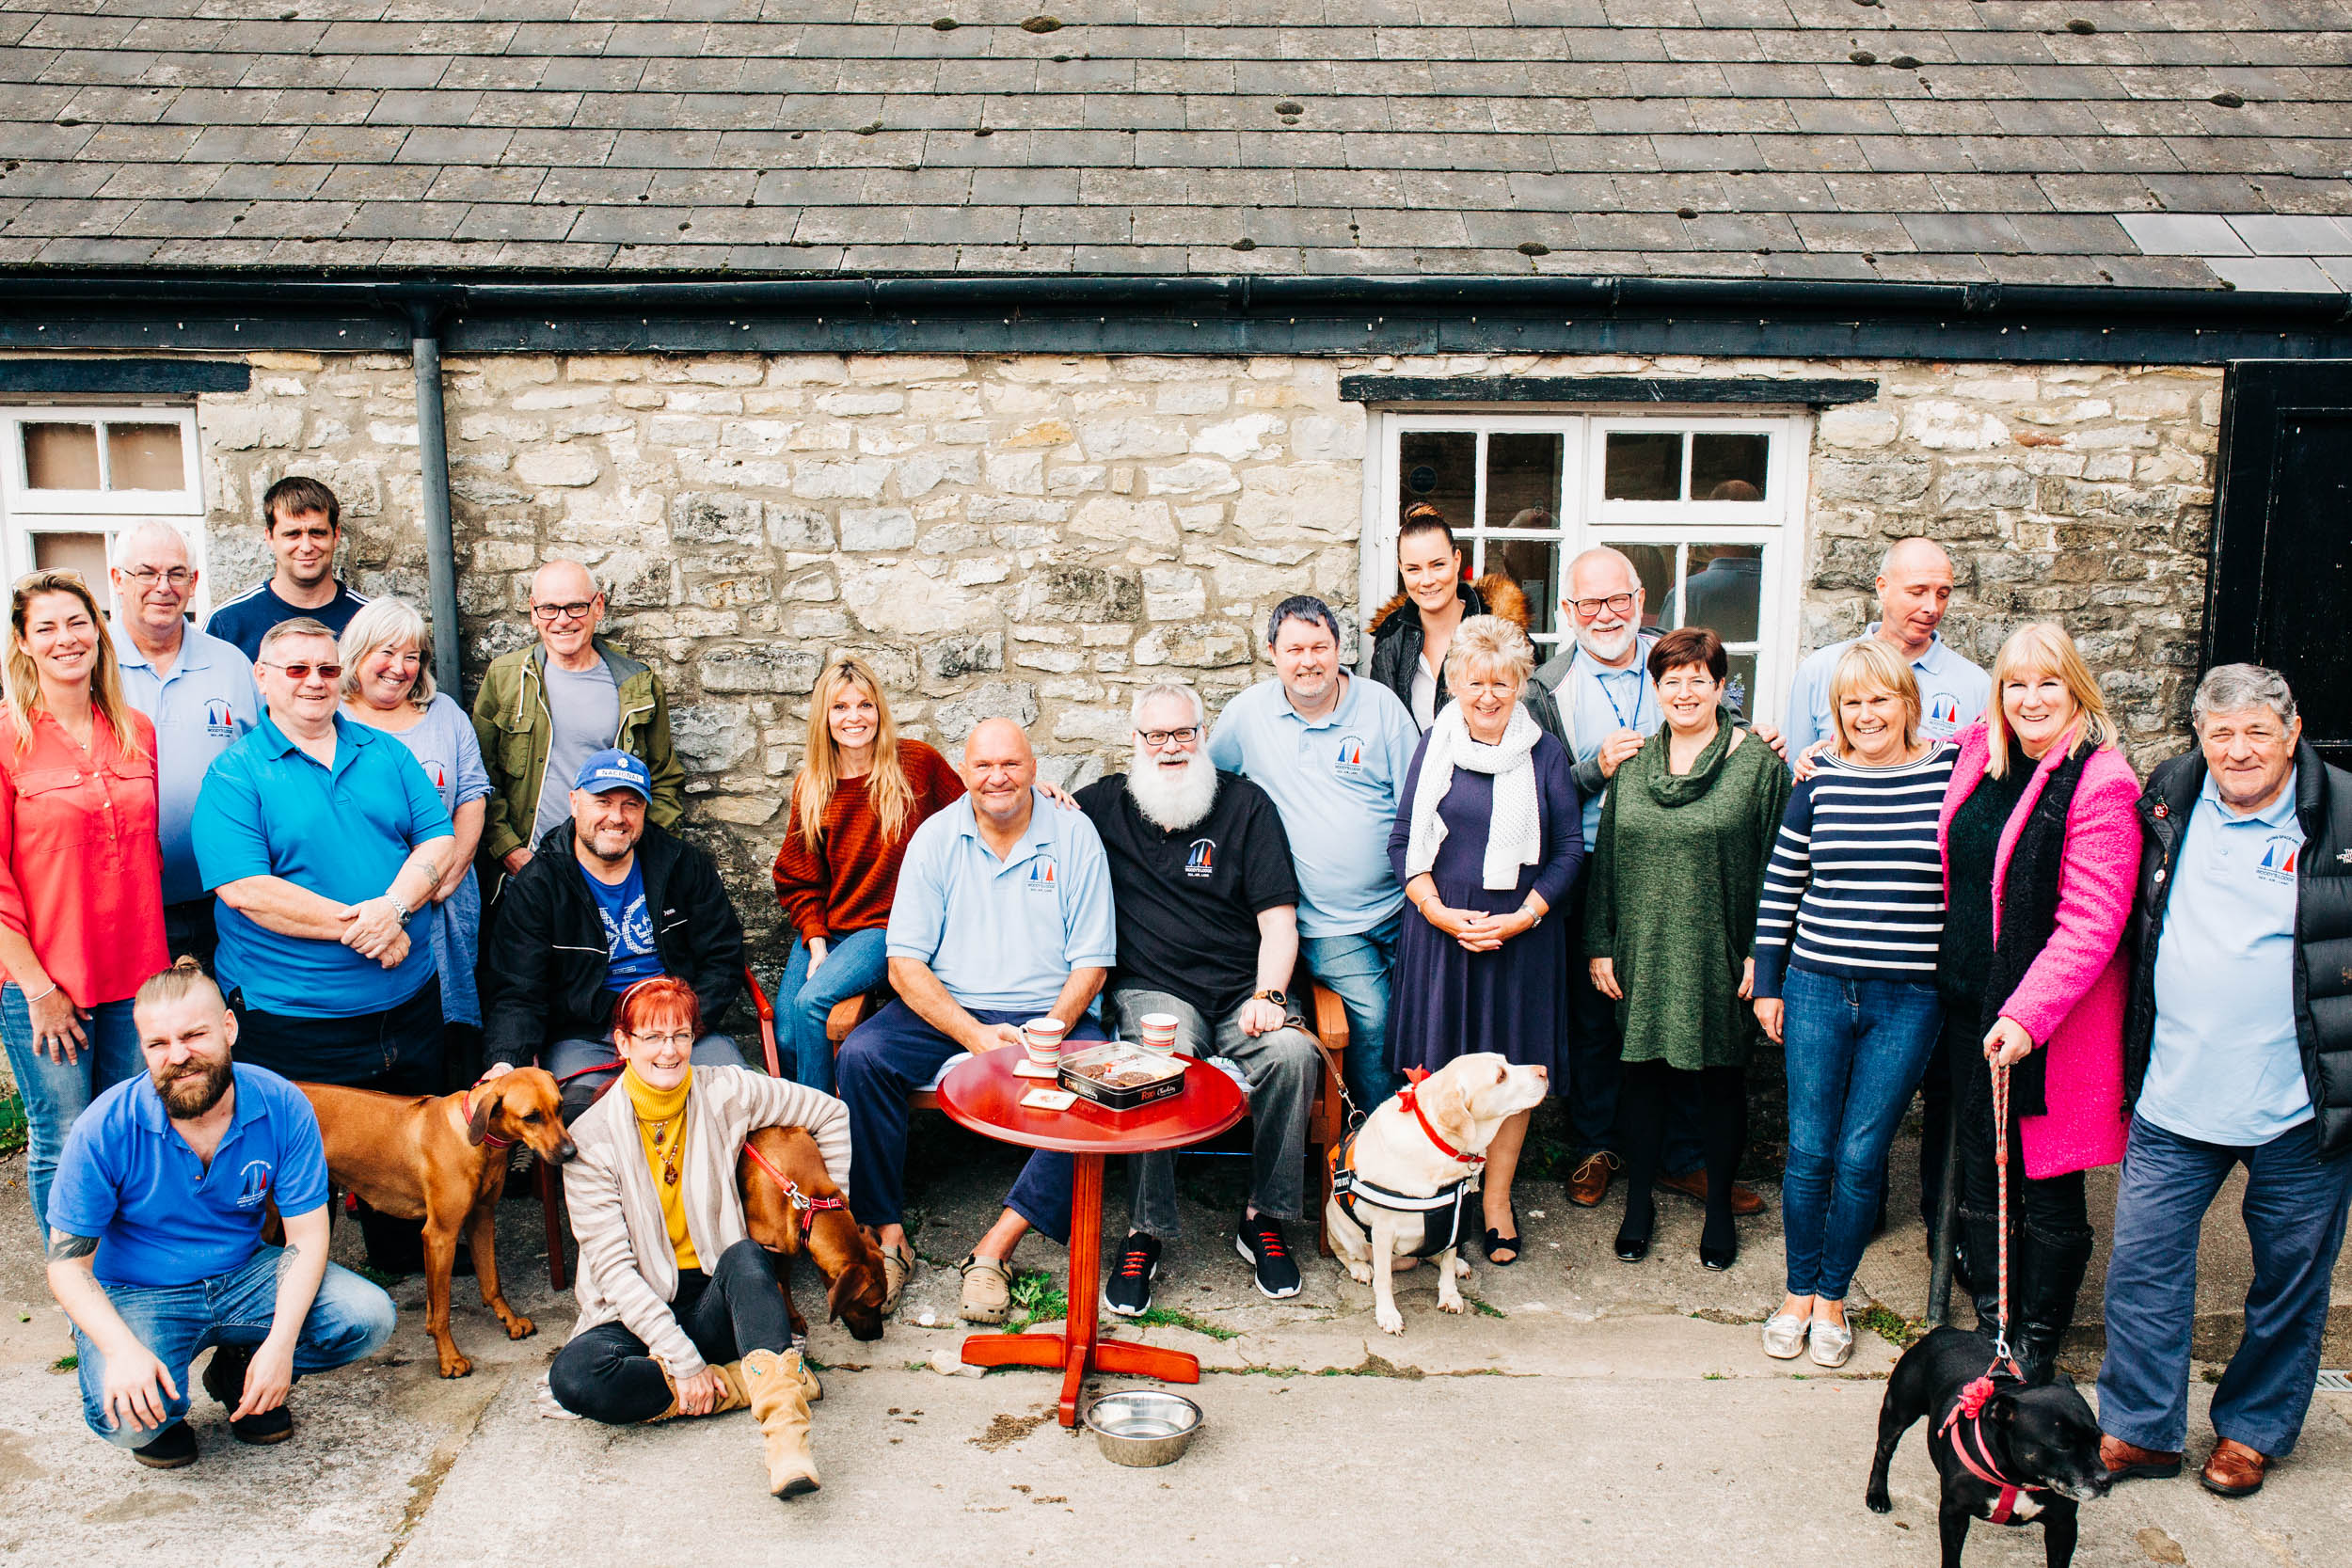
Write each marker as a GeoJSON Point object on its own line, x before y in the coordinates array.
{"type": "Point", "coordinates": [1159, 1030]}
{"type": "Point", "coordinates": [1042, 1036]}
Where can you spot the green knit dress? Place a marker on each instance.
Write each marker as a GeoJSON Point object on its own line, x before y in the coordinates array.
{"type": "Point", "coordinates": [1677, 870]}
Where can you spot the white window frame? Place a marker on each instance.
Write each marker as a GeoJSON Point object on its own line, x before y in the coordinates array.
{"type": "Point", "coordinates": [26, 512]}
{"type": "Point", "coordinates": [1776, 524]}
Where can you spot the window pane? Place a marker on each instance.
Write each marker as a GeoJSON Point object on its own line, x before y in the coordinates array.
{"type": "Point", "coordinates": [1522, 481]}
{"type": "Point", "coordinates": [1440, 466]}
{"type": "Point", "coordinates": [1642, 465]}
{"type": "Point", "coordinates": [61, 456]}
{"type": "Point", "coordinates": [1534, 565]}
{"type": "Point", "coordinates": [1740, 682]}
{"type": "Point", "coordinates": [144, 457]}
{"type": "Point", "coordinates": [1729, 467]}
{"type": "Point", "coordinates": [85, 553]}
{"type": "Point", "coordinates": [1724, 591]}
{"type": "Point", "coordinates": [1655, 563]}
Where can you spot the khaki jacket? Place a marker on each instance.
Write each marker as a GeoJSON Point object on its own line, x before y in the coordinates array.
{"type": "Point", "coordinates": [512, 722]}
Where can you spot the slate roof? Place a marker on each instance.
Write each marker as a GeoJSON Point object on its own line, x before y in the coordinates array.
{"type": "Point", "coordinates": [2168, 143]}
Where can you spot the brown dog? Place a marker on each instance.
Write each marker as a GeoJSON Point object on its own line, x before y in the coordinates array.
{"type": "Point", "coordinates": [442, 1159]}
{"type": "Point", "coordinates": [821, 1226]}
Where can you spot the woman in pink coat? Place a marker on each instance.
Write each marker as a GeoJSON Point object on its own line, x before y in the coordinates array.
{"type": "Point", "coordinates": [2040, 854]}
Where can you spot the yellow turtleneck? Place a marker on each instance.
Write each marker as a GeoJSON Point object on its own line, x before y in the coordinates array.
{"type": "Point", "coordinates": [664, 1110]}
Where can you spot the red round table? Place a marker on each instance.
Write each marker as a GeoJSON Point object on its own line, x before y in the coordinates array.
{"type": "Point", "coordinates": [984, 1094]}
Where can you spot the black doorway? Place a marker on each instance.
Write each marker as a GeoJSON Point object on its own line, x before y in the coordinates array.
{"type": "Point", "coordinates": [2280, 588]}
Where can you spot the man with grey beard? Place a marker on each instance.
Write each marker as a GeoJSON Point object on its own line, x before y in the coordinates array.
{"type": "Point", "coordinates": [1208, 932]}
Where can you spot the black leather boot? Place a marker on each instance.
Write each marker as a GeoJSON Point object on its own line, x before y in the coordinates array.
{"type": "Point", "coordinates": [2051, 1273]}
{"type": "Point", "coordinates": [1981, 1240]}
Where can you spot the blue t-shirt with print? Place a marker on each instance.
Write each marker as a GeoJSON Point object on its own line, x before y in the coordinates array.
{"type": "Point", "coordinates": [628, 944]}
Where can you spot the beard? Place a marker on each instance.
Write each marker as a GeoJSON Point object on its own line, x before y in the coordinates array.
{"type": "Point", "coordinates": [1172, 803]}
{"type": "Point", "coordinates": [193, 1091]}
{"type": "Point", "coordinates": [1610, 647]}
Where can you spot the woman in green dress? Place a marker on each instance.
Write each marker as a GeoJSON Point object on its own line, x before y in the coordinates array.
{"type": "Point", "coordinates": [1670, 927]}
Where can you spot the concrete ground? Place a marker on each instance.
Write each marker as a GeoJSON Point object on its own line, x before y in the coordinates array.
{"type": "Point", "coordinates": [1586, 1410]}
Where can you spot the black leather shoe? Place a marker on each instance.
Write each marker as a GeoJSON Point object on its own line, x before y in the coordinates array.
{"type": "Point", "coordinates": [270, 1426]}
{"type": "Point", "coordinates": [174, 1449]}
{"type": "Point", "coordinates": [1632, 1249]}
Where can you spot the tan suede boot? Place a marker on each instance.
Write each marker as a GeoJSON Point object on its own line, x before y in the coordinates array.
{"type": "Point", "coordinates": [735, 1397]}
{"type": "Point", "coordinates": [781, 1407]}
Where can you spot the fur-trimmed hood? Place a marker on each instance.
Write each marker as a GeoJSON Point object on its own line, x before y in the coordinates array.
{"type": "Point", "coordinates": [1492, 595]}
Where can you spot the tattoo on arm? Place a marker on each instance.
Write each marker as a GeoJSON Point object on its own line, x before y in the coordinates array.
{"type": "Point", "coordinates": [288, 1259]}
{"type": "Point", "coordinates": [63, 1246]}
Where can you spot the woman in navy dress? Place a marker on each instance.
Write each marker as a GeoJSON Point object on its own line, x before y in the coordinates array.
{"type": "Point", "coordinates": [1486, 843]}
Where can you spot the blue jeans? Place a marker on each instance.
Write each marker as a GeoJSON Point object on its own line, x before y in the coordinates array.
{"type": "Point", "coordinates": [55, 1092]}
{"type": "Point", "coordinates": [855, 962]}
{"type": "Point", "coordinates": [1857, 1048]}
{"type": "Point", "coordinates": [2295, 1215]}
{"type": "Point", "coordinates": [349, 1319]}
{"type": "Point", "coordinates": [1357, 967]}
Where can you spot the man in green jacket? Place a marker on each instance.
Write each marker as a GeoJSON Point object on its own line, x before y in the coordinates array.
{"type": "Point", "coordinates": [543, 710]}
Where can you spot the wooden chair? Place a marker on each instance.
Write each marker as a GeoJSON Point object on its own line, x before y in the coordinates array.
{"type": "Point", "coordinates": [551, 1186]}
{"type": "Point", "coordinates": [1326, 1119]}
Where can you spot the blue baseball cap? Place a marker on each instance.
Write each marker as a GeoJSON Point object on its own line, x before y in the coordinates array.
{"type": "Point", "coordinates": [611, 769]}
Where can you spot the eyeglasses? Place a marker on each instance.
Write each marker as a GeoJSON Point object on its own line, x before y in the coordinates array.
{"type": "Point", "coordinates": [676, 1042]}
{"type": "Point", "coordinates": [179, 577]}
{"type": "Point", "coordinates": [1617, 604]}
{"type": "Point", "coordinates": [576, 610]}
{"type": "Point", "coordinates": [300, 673]}
{"type": "Point", "coordinates": [1153, 739]}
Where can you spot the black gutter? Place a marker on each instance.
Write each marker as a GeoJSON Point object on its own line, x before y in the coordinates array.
{"type": "Point", "coordinates": [425, 310]}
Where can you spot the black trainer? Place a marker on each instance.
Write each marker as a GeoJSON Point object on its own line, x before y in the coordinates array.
{"type": "Point", "coordinates": [224, 1379]}
{"type": "Point", "coordinates": [174, 1449]}
{"type": "Point", "coordinates": [1128, 1293]}
{"type": "Point", "coordinates": [1259, 1238]}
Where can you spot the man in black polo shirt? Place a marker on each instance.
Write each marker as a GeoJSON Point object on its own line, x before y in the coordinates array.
{"type": "Point", "coordinates": [1208, 930]}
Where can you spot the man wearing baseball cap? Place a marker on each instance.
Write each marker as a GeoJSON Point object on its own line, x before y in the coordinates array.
{"type": "Point", "coordinates": [608, 899]}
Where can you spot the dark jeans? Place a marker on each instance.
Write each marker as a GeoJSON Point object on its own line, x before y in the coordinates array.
{"type": "Point", "coordinates": [1597, 1072]}
{"type": "Point", "coordinates": [736, 1309]}
{"type": "Point", "coordinates": [888, 1057]}
{"type": "Point", "coordinates": [2295, 1215]}
{"type": "Point", "coordinates": [1855, 1049]}
{"type": "Point", "coordinates": [189, 932]}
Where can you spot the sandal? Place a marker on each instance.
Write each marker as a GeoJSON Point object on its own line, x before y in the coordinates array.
{"type": "Point", "coordinates": [898, 1268]}
{"type": "Point", "coordinates": [1514, 1246]}
{"type": "Point", "coordinates": [987, 1290]}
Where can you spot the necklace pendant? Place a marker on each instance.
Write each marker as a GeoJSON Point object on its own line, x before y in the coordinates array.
{"type": "Point", "coordinates": [659, 1133]}
{"type": "Point", "coordinates": [670, 1175]}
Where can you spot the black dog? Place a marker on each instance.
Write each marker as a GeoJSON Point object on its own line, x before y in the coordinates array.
{"type": "Point", "coordinates": [2021, 1455]}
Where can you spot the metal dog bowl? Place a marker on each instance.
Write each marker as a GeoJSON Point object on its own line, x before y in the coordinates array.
{"type": "Point", "coordinates": [1143, 1426]}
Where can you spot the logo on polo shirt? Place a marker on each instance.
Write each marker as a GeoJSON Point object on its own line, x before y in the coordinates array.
{"type": "Point", "coordinates": [2280, 855]}
{"type": "Point", "coordinates": [1203, 861]}
{"type": "Point", "coordinates": [1043, 873]}
{"type": "Point", "coordinates": [1349, 763]}
{"type": "Point", "coordinates": [253, 1183]}
{"type": "Point", "coordinates": [1942, 715]}
{"type": "Point", "coordinates": [219, 718]}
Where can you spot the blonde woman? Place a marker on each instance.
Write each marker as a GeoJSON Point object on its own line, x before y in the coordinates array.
{"type": "Point", "coordinates": [387, 685]}
{"type": "Point", "coordinates": [2041, 850]}
{"type": "Point", "coordinates": [860, 793]}
{"type": "Point", "coordinates": [81, 864]}
{"type": "Point", "coordinates": [1846, 941]}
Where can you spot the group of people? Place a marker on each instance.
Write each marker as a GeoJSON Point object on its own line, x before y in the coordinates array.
{"type": "Point", "coordinates": [1930, 877]}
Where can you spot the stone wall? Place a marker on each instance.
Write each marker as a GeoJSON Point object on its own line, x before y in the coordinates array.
{"type": "Point", "coordinates": [1034, 535]}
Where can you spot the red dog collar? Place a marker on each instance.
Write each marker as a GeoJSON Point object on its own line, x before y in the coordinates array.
{"type": "Point", "coordinates": [1965, 1426]}
{"type": "Point", "coordinates": [1405, 1097]}
{"type": "Point", "coordinates": [808, 1206]}
{"type": "Point", "coordinates": [464, 1107]}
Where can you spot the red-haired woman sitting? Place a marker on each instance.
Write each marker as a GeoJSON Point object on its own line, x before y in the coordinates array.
{"type": "Point", "coordinates": [679, 1313]}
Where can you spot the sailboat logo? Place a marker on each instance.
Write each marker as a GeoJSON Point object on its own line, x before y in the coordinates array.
{"type": "Point", "coordinates": [1203, 861]}
{"type": "Point", "coordinates": [1349, 763]}
{"type": "Point", "coordinates": [1041, 874]}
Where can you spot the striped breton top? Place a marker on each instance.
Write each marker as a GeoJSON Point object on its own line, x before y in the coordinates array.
{"type": "Point", "coordinates": [1856, 886]}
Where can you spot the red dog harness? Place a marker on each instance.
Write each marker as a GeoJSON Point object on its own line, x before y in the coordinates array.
{"type": "Point", "coordinates": [1964, 1427]}
{"type": "Point", "coordinates": [808, 1206]}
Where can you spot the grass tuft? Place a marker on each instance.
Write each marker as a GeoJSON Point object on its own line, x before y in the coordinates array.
{"type": "Point", "coordinates": [1176, 1317]}
{"type": "Point", "coordinates": [1037, 1297]}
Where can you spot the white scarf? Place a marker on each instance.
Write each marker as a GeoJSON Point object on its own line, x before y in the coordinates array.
{"type": "Point", "coordinates": [1514, 828]}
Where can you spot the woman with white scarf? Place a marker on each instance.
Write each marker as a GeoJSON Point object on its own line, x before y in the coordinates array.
{"type": "Point", "coordinates": [1486, 843]}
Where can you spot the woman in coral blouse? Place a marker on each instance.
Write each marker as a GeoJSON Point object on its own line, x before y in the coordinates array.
{"type": "Point", "coordinates": [860, 793]}
{"type": "Point", "coordinates": [81, 865]}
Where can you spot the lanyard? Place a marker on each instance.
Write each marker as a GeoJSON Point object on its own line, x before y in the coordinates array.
{"type": "Point", "coordinates": [1640, 692]}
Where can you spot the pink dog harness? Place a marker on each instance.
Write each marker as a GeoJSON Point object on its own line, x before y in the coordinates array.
{"type": "Point", "coordinates": [1965, 1426]}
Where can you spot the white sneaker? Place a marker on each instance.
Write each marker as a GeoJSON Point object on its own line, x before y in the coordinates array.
{"type": "Point", "coordinates": [1831, 1343]}
{"type": "Point", "coordinates": [1784, 1336]}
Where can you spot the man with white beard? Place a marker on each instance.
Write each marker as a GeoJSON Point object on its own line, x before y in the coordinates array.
{"type": "Point", "coordinates": [1208, 930]}
{"type": "Point", "coordinates": [1596, 699]}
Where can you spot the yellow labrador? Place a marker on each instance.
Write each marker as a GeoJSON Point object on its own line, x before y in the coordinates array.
{"type": "Point", "coordinates": [1417, 1143]}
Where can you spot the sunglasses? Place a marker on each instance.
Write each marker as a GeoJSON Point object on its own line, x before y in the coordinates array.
{"type": "Point", "coordinates": [304, 672]}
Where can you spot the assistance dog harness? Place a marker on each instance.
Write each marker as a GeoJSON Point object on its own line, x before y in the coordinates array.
{"type": "Point", "coordinates": [1350, 1188]}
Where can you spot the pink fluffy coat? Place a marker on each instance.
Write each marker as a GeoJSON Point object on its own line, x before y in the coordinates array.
{"type": "Point", "coordinates": [2072, 998]}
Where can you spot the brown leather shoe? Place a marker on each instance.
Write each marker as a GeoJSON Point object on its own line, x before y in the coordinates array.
{"type": "Point", "coordinates": [2130, 1461]}
{"type": "Point", "coordinates": [2235, 1470]}
{"type": "Point", "coordinates": [1589, 1182]}
{"type": "Point", "coordinates": [1693, 1185]}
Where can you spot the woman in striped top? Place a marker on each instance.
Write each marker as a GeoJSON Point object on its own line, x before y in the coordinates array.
{"type": "Point", "coordinates": [1846, 939]}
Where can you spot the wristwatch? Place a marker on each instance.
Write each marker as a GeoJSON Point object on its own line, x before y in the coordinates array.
{"type": "Point", "coordinates": [1277, 998]}
{"type": "Point", "coordinates": [399, 910]}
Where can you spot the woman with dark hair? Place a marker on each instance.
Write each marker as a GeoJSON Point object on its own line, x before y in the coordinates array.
{"type": "Point", "coordinates": [679, 1314]}
{"type": "Point", "coordinates": [2040, 839]}
{"type": "Point", "coordinates": [1670, 927]}
{"type": "Point", "coordinates": [81, 864]}
{"type": "Point", "coordinates": [1408, 649]}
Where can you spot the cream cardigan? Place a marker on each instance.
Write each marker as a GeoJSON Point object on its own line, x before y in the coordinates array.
{"type": "Point", "coordinates": [628, 1274]}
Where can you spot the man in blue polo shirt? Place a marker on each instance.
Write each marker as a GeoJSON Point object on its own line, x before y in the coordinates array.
{"type": "Point", "coordinates": [1003, 913]}
{"type": "Point", "coordinates": [1914, 589]}
{"type": "Point", "coordinates": [320, 838]}
{"type": "Point", "coordinates": [155, 1238]}
{"type": "Point", "coordinates": [1333, 752]}
{"type": "Point", "coordinates": [200, 694]}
